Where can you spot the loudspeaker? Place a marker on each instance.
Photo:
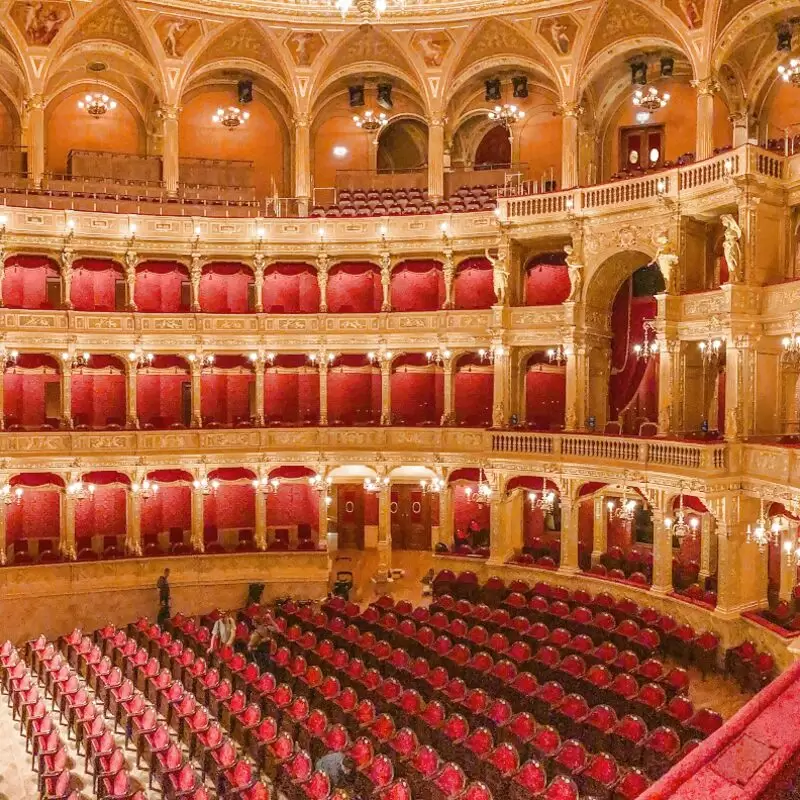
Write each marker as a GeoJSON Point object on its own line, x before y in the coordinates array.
{"type": "Point", "coordinates": [638, 73]}
{"type": "Point", "coordinates": [784, 38]}
{"type": "Point", "coordinates": [520, 83]}
{"type": "Point", "coordinates": [245, 89]}
{"type": "Point", "coordinates": [492, 89]}
{"type": "Point", "coordinates": [356, 95]}
{"type": "Point", "coordinates": [385, 95]}
{"type": "Point", "coordinates": [667, 67]}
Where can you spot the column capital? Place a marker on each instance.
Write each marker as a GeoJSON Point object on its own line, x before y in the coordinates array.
{"type": "Point", "coordinates": [436, 120]}
{"type": "Point", "coordinates": [706, 86]}
{"type": "Point", "coordinates": [302, 119]}
{"type": "Point", "coordinates": [168, 112]}
{"type": "Point", "coordinates": [33, 102]}
{"type": "Point", "coordinates": [571, 109]}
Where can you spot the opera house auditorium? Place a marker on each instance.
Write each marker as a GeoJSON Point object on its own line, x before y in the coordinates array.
{"type": "Point", "coordinates": [399, 400]}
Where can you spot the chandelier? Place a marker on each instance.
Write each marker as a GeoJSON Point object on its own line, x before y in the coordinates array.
{"type": "Point", "coordinates": [205, 360]}
{"type": "Point", "coordinates": [791, 73]}
{"type": "Point", "coordinates": [267, 485]}
{"type": "Point", "coordinates": [80, 490]}
{"type": "Point", "coordinates": [625, 508]}
{"type": "Point", "coordinates": [710, 350]}
{"type": "Point", "coordinates": [507, 115]}
{"type": "Point", "coordinates": [205, 486]}
{"type": "Point", "coordinates": [791, 347]}
{"type": "Point", "coordinates": [11, 495]}
{"type": "Point", "coordinates": [545, 501]}
{"type": "Point", "coordinates": [146, 489]}
{"type": "Point", "coordinates": [383, 357]}
{"type": "Point", "coordinates": [314, 358]}
{"type": "Point", "coordinates": [680, 526]}
{"type": "Point", "coordinates": [483, 494]}
{"type": "Point", "coordinates": [8, 358]}
{"type": "Point", "coordinates": [374, 485]}
{"type": "Point", "coordinates": [368, 9]}
{"type": "Point", "coordinates": [489, 356]}
{"type": "Point", "coordinates": [439, 357]}
{"type": "Point", "coordinates": [557, 355]}
{"type": "Point", "coordinates": [649, 347]}
{"type": "Point", "coordinates": [230, 117]}
{"type": "Point", "coordinates": [76, 360]}
{"type": "Point", "coordinates": [763, 532]}
{"type": "Point", "coordinates": [650, 100]}
{"type": "Point", "coordinates": [140, 358]}
{"type": "Point", "coordinates": [319, 483]}
{"type": "Point", "coordinates": [792, 551]}
{"type": "Point", "coordinates": [97, 104]}
{"type": "Point", "coordinates": [369, 121]}
{"type": "Point", "coordinates": [434, 485]}
{"type": "Point", "coordinates": [269, 358]}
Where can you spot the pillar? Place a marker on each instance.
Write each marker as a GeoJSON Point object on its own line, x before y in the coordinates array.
{"type": "Point", "coordinates": [575, 387]}
{"type": "Point", "coordinates": [131, 259]}
{"type": "Point", "coordinates": [66, 393]}
{"type": "Point", "coordinates": [3, 363]}
{"type": "Point", "coordinates": [706, 88]}
{"type": "Point", "coordinates": [669, 351]}
{"type": "Point", "coordinates": [600, 530]}
{"type": "Point", "coordinates": [436, 157]}
{"type": "Point", "coordinates": [170, 157]}
{"type": "Point", "coordinates": [708, 548]}
{"type": "Point", "coordinates": [446, 517]}
{"type": "Point", "coordinates": [198, 522]}
{"type": "Point", "coordinates": [133, 540]}
{"type": "Point", "coordinates": [386, 392]}
{"type": "Point", "coordinates": [569, 534]}
{"type": "Point", "coordinates": [323, 264]}
{"type": "Point", "coordinates": [788, 566]}
{"type": "Point", "coordinates": [502, 385]}
{"type": "Point", "coordinates": [570, 112]}
{"type": "Point", "coordinates": [739, 375]}
{"type": "Point", "coordinates": [259, 265]}
{"type": "Point", "coordinates": [323, 515]}
{"type": "Point", "coordinates": [501, 546]}
{"type": "Point", "coordinates": [67, 258]}
{"type": "Point", "coordinates": [34, 137]}
{"type": "Point", "coordinates": [323, 388]}
{"type": "Point", "coordinates": [383, 573]}
{"type": "Point", "coordinates": [448, 399]}
{"type": "Point", "coordinates": [662, 554]}
{"type": "Point", "coordinates": [741, 131]}
{"type": "Point", "coordinates": [195, 273]}
{"type": "Point", "coordinates": [130, 396]}
{"type": "Point", "coordinates": [448, 273]}
{"type": "Point", "coordinates": [67, 543]}
{"type": "Point", "coordinates": [261, 521]}
{"type": "Point", "coordinates": [302, 161]}
{"type": "Point", "coordinates": [196, 370]}
{"type": "Point", "coordinates": [727, 597]}
{"type": "Point", "coordinates": [258, 408]}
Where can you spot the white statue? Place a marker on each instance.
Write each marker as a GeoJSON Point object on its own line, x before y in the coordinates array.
{"type": "Point", "coordinates": [499, 275]}
{"type": "Point", "coordinates": [386, 280]}
{"type": "Point", "coordinates": [575, 270]}
{"type": "Point", "coordinates": [731, 247]}
{"type": "Point", "coordinates": [667, 260]}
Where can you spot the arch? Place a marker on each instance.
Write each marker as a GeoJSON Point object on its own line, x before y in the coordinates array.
{"type": "Point", "coordinates": [611, 270]}
{"type": "Point", "coordinates": [94, 284]}
{"type": "Point", "coordinates": [546, 279]}
{"type": "Point", "coordinates": [354, 391]}
{"type": "Point", "coordinates": [31, 280]}
{"type": "Point", "coordinates": [290, 287]}
{"type": "Point", "coordinates": [416, 390]}
{"type": "Point", "coordinates": [545, 392]}
{"type": "Point", "coordinates": [403, 144]}
{"type": "Point", "coordinates": [354, 287]}
{"type": "Point", "coordinates": [226, 390]}
{"type": "Point", "coordinates": [99, 392]}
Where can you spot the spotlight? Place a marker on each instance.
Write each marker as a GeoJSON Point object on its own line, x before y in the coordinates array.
{"type": "Point", "coordinates": [667, 66]}
{"type": "Point", "coordinates": [356, 95]}
{"type": "Point", "coordinates": [245, 91]}
{"type": "Point", "coordinates": [339, 151]}
{"type": "Point", "coordinates": [385, 95]}
{"type": "Point", "coordinates": [638, 73]}
{"type": "Point", "coordinates": [492, 89]}
{"type": "Point", "coordinates": [520, 84]}
{"type": "Point", "coordinates": [784, 33]}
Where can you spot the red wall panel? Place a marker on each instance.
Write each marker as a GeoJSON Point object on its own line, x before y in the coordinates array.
{"type": "Point", "coordinates": [473, 396]}
{"type": "Point", "coordinates": [170, 508]}
{"type": "Point", "coordinates": [233, 506]}
{"type": "Point", "coordinates": [473, 286]}
{"type": "Point", "coordinates": [294, 504]}
{"type": "Point", "coordinates": [354, 288]}
{"type": "Point", "coordinates": [226, 397]}
{"type": "Point", "coordinates": [225, 293]}
{"type": "Point", "coordinates": [38, 516]}
{"type": "Point", "coordinates": [92, 286]}
{"type": "Point", "coordinates": [290, 289]}
{"type": "Point", "coordinates": [353, 396]}
{"type": "Point", "coordinates": [546, 284]}
{"type": "Point", "coordinates": [98, 398]}
{"type": "Point", "coordinates": [619, 534]}
{"type": "Point", "coordinates": [158, 288]}
{"type": "Point", "coordinates": [24, 397]}
{"type": "Point", "coordinates": [545, 396]}
{"type": "Point", "coordinates": [466, 513]}
{"type": "Point", "coordinates": [417, 286]}
{"type": "Point", "coordinates": [24, 281]}
{"type": "Point", "coordinates": [103, 515]}
{"type": "Point", "coordinates": [159, 395]}
{"type": "Point", "coordinates": [291, 396]}
{"type": "Point", "coordinates": [586, 527]}
{"type": "Point", "coordinates": [417, 396]}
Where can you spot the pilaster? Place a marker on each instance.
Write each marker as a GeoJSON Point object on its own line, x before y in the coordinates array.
{"type": "Point", "coordinates": [706, 88]}
{"type": "Point", "coordinates": [258, 369]}
{"type": "Point", "coordinates": [170, 155]}
{"type": "Point", "coordinates": [569, 533]}
{"type": "Point", "coordinates": [502, 384]}
{"type": "Point", "coordinates": [436, 157]}
{"type": "Point", "coordinates": [386, 392]}
{"type": "Point", "coordinates": [662, 551]}
{"type": "Point", "coordinates": [302, 159]}
{"type": "Point", "coordinates": [131, 398]}
{"type": "Point", "coordinates": [195, 274]}
{"type": "Point", "coordinates": [570, 114]}
{"type": "Point", "coordinates": [600, 529]}
{"type": "Point", "coordinates": [34, 136]}
{"type": "Point", "coordinates": [133, 539]}
{"type": "Point", "coordinates": [259, 265]}
{"type": "Point", "coordinates": [260, 535]}
{"type": "Point", "coordinates": [198, 520]}
{"type": "Point", "coordinates": [322, 364]}
{"type": "Point", "coordinates": [66, 393]}
{"type": "Point", "coordinates": [196, 370]}
{"type": "Point", "coordinates": [788, 566]}
{"type": "Point", "coordinates": [708, 548]}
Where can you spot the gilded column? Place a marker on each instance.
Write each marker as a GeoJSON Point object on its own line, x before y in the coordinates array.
{"type": "Point", "coordinates": [66, 392]}
{"type": "Point", "coordinates": [3, 365]}
{"type": "Point", "coordinates": [575, 387]}
{"type": "Point", "coordinates": [261, 521]}
{"type": "Point", "coordinates": [195, 273]}
{"type": "Point", "coordinates": [133, 539]}
{"type": "Point", "coordinates": [706, 88]}
{"type": "Point", "coordinates": [502, 385]}
{"type": "Point", "coordinates": [446, 516]}
{"type": "Point", "coordinates": [323, 515]}
{"type": "Point", "coordinates": [569, 532]}
{"type": "Point", "coordinates": [131, 396]}
{"type": "Point", "coordinates": [570, 113]}
{"type": "Point", "coordinates": [386, 280]}
{"type": "Point", "coordinates": [302, 161]}
{"type": "Point", "coordinates": [323, 265]}
{"type": "Point", "coordinates": [2, 263]}
{"type": "Point", "coordinates": [669, 351]}
{"type": "Point", "coordinates": [131, 260]}
{"type": "Point", "coordinates": [67, 544]}
{"type": "Point", "coordinates": [170, 156]}
{"type": "Point", "coordinates": [3, 536]}
{"type": "Point", "coordinates": [448, 273]}
{"type": "Point", "coordinates": [788, 566]}
{"type": "Point", "coordinates": [448, 399]}
{"type": "Point", "coordinates": [198, 521]}
{"type": "Point", "coordinates": [501, 545]}
{"type": "Point", "coordinates": [600, 530]}
{"type": "Point", "coordinates": [708, 548]}
{"type": "Point", "coordinates": [322, 363]}
{"type": "Point", "coordinates": [436, 157]}
{"type": "Point", "coordinates": [258, 410]}
{"type": "Point", "coordinates": [662, 553]}
{"type": "Point", "coordinates": [740, 120]}
{"type": "Point", "coordinates": [67, 260]}
{"type": "Point", "coordinates": [384, 571]}
{"type": "Point", "coordinates": [196, 369]}
{"type": "Point", "coordinates": [34, 138]}
{"type": "Point", "coordinates": [259, 265]}
{"type": "Point", "coordinates": [739, 380]}
{"type": "Point", "coordinates": [386, 392]}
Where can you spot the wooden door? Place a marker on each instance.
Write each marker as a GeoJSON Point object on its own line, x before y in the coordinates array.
{"type": "Point", "coordinates": [186, 403]}
{"type": "Point", "coordinates": [350, 517]}
{"type": "Point", "coordinates": [53, 292]}
{"type": "Point", "coordinates": [120, 295]}
{"type": "Point", "coordinates": [411, 518]}
{"type": "Point", "coordinates": [641, 148]}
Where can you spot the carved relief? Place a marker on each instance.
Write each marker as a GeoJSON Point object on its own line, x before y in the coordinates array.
{"type": "Point", "coordinates": [433, 47]}
{"type": "Point", "coordinates": [304, 47]}
{"type": "Point", "coordinates": [177, 34]}
{"type": "Point", "coordinates": [40, 22]}
{"type": "Point", "coordinates": [559, 32]}
{"type": "Point", "coordinates": [110, 22]}
{"type": "Point", "coordinates": [244, 40]}
{"type": "Point", "coordinates": [690, 11]}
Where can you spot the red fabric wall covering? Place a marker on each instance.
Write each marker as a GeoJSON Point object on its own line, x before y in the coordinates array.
{"type": "Point", "coordinates": [354, 397]}
{"type": "Point", "coordinates": [466, 513]}
{"type": "Point", "coordinates": [619, 534]}
{"type": "Point", "coordinates": [585, 528]}
{"type": "Point", "coordinates": [24, 397]}
{"type": "Point", "coordinates": [531, 483]}
{"type": "Point", "coordinates": [224, 289]}
{"type": "Point", "coordinates": [293, 504]}
{"type": "Point", "coordinates": [292, 472]}
{"type": "Point", "coordinates": [354, 288]}
{"type": "Point", "coordinates": [291, 397]}
{"type": "Point", "coordinates": [158, 287]}
{"type": "Point", "coordinates": [545, 397]}
{"type": "Point", "coordinates": [233, 506]}
{"type": "Point", "coordinates": [774, 557]}
{"type": "Point", "coordinates": [36, 479]}
{"type": "Point", "coordinates": [473, 392]}
{"type": "Point", "coordinates": [370, 505]}
{"type": "Point", "coordinates": [689, 550]}
{"type": "Point", "coordinates": [24, 281]}
{"type": "Point", "coordinates": [416, 395]}
{"type": "Point", "coordinates": [473, 286]}
{"type": "Point", "coordinates": [290, 288]}
{"type": "Point", "coordinates": [98, 399]}
{"type": "Point", "coordinates": [93, 282]}
{"type": "Point", "coordinates": [158, 397]}
{"type": "Point", "coordinates": [417, 286]}
{"type": "Point", "coordinates": [644, 403]}
{"type": "Point", "coordinates": [170, 508]}
{"type": "Point", "coordinates": [103, 515]}
{"type": "Point", "coordinates": [532, 523]}
{"type": "Point", "coordinates": [546, 284]}
{"type": "Point", "coordinates": [470, 474]}
{"type": "Point", "coordinates": [231, 474]}
{"type": "Point", "coordinates": [226, 397]}
{"type": "Point", "coordinates": [106, 477]}
{"type": "Point", "coordinates": [38, 516]}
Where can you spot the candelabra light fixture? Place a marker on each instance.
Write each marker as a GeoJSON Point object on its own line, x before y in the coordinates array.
{"type": "Point", "coordinates": [683, 523]}
{"type": "Point", "coordinates": [790, 354]}
{"type": "Point", "coordinates": [763, 531]}
{"type": "Point", "coordinates": [506, 114]}
{"type": "Point", "coordinates": [482, 495]}
{"type": "Point", "coordinates": [649, 101]}
{"type": "Point", "coordinates": [434, 485]}
{"type": "Point", "coordinates": [790, 72]}
{"type": "Point", "coordinates": [97, 104]}
{"type": "Point", "coordinates": [488, 356]}
{"type": "Point", "coordinates": [383, 357]}
{"type": "Point", "coordinates": [269, 358]}
{"type": "Point", "coordinates": [140, 359]}
{"type": "Point", "coordinates": [558, 355]}
{"type": "Point", "coordinates": [146, 489]}
{"type": "Point", "coordinates": [319, 483]}
{"type": "Point", "coordinates": [11, 494]}
{"type": "Point", "coordinates": [439, 357]}
{"type": "Point", "coordinates": [267, 485]}
{"type": "Point", "coordinates": [76, 360]}
{"type": "Point", "coordinates": [648, 347]}
{"type": "Point", "coordinates": [624, 508]}
{"type": "Point", "coordinates": [314, 358]}
{"type": "Point", "coordinates": [205, 360]}
{"type": "Point", "coordinates": [206, 486]}
{"type": "Point", "coordinates": [374, 485]}
{"type": "Point", "coordinates": [369, 10]}
{"type": "Point", "coordinates": [370, 121]}
{"type": "Point", "coordinates": [80, 490]}
{"type": "Point", "coordinates": [8, 358]}
{"type": "Point", "coordinates": [544, 500]}
{"type": "Point", "coordinates": [710, 349]}
{"type": "Point", "coordinates": [230, 117]}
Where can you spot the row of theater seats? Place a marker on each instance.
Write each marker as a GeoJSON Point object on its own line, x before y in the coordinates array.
{"type": "Point", "coordinates": [407, 202]}
{"type": "Point", "coordinates": [638, 171]}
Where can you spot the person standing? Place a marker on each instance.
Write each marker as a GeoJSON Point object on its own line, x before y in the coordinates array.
{"type": "Point", "coordinates": [260, 643]}
{"type": "Point", "coordinates": [223, 634]}
{"type": "Point", "coordinates": [163, 597]}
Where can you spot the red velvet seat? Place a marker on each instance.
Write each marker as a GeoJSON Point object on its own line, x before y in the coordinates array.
{"type": "Point", "coordinates": [632, 784]}
{"type": "Point", "coordinates": [703, 723]}
{"type": "Point", "coordinates": [528, 781]}
{"type": "Point", "coordinates": [561, 788]}
{"type": "Point", "coordinates": [661, 750]}
{"type": "Point", "coordinates": [600, 776]}
{"type": "Point", "coordinates": [627, 739]}
{"type": "Point", "coordinates": [448, 783]}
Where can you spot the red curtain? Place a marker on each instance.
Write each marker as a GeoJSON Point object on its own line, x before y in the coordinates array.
{"type": "Point", "coordinates": [473, 388]}
{"type": "Point", "coordinates": [354, 397]}
{"type": "Point", "coordinates": [417, 395]}
{"type": "Point", "coordinates": [158, 287]}
{"type": "Point", "coordinates": [619, 534]}
{"type": "Point", "coordinates": [417, 286]}
{"type": "Point", "coordinates": [171, 507]}
{"type": "Point", "coordinates": [546, 284]}
{"type": "Point", "coordinates": [628, 314]}
{"type": "Point", "coordinates": [224, 289]}
{"type": "Point", "coordinates": [290, 289]}
{"type": "Point", "coordinates": [24, 282]}
{"type": "Point", "coordinates": [225, 397]}
{"type": "Point", "coordinates": [98, 399]}
{"type": "Point", "coordinates": [585, 531]}
{"type": "Point", "coordinates": [38, 516]}
{"type": "Point", "coordinates": [233, 506]}
{"type": "Point", "coordinates": [159, 397]}
{"type": "Point", "coordinates": [354, 288]}
{"type": "Point", "coordinates": [532, 522]}
{"type": "Point", "coordinates": [102, 515]}
{"type": "Point", "coordinates": [293, 504]}
{"type": "Point", "coordinates": [545, 396]}
{"type": "Point", "coordinates": [93, 281]}
{"type": "Point", "coordinates": [25, 397]}
{"type": "Point", "coordinates": [473, 286]}
{"type": "Point", "coordinates": [468, 516]}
